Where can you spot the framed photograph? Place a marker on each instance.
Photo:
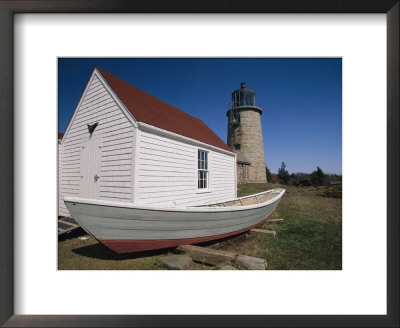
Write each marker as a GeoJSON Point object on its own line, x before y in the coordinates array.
{"type": "Point", "coordinates": [37, 36]}
{"type": "Point", "coordinates": [170, 158]}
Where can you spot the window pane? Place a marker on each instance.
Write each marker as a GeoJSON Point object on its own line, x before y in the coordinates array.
{"type": "Point", "coordinates": [202, 166]}
{"type": "Point", "coordinates": [199, 180]}
{"type": "Point", "coordinates": [198, 159]}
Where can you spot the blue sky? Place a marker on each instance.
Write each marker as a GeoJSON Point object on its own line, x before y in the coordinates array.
{"type": "Point", "coordinates": [301, 99]}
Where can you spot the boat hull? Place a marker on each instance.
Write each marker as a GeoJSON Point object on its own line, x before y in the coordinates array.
{"type": "Point", "coordinates": [130, 246]}
{"type": "Point", "coordinates": [128, 228]}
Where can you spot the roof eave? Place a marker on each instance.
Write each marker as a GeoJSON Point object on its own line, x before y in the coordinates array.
{"type": "Point", "coordinates": [149, 127]}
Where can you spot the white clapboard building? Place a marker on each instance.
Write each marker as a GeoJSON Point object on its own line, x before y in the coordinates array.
{"type": "Point", "coordinates": [125, 145]}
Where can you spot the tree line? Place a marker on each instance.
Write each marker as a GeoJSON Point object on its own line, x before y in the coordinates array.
{"type": "Point", "coordinates": [317, 177]}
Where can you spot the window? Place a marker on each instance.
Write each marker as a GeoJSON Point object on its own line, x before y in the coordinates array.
{"type": "Point", "coordinates": [202, 166]}
{"type": "Point", "coordinates": [236, 117]}
{"type": "Point", "coordinates": [237, 147]}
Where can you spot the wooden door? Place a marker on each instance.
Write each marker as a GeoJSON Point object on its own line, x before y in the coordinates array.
{"type": "Point", "coordinates": [90, 169]}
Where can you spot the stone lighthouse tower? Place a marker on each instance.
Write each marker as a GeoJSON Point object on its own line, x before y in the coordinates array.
{"type": "Point", "coordinates": [244, 131]}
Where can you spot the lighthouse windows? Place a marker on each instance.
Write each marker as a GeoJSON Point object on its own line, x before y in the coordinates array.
{"type": "Point", "coordinates": [236, 118]}
{"type": "Point", "coordinates": [202, 166]}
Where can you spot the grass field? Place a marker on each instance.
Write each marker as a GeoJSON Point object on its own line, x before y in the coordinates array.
{"type": "Point", "coordinates": [309, 238]}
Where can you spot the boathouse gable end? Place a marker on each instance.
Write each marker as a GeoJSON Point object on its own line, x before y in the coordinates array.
{"type": "Point", "coordinates": [102, 130]}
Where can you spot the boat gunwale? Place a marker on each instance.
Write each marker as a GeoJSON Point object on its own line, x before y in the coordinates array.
{"type": "Point", "coordinates": [189, 209]}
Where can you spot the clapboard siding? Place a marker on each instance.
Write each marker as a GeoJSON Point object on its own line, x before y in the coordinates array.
{"type": "Point", "coordinates": [106, 127]}
{"type": "Point", "coordinates": [117, 135]}
{"type": "Point", "coordinates": [101, 110]}
{"type": "Point", "coordinates": [167, 172]}
{"type": "Point", "coordinates": [115, 196]}
{"type": "Point", "coordinates": [103, 114]}
{"type": "Point", "coordinates": [117, 146]}
{"type": "Point", "coordinates": [120, 137]}
{"type": "Point", "coordinates": [115, 170]}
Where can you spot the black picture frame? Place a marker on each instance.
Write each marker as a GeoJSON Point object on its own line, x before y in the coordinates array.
{"type": "Point", "coordinates": [10, 7]}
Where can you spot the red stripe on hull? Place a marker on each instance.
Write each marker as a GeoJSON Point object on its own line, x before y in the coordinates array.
{"type": "Point", "coordinates": [129, 246]}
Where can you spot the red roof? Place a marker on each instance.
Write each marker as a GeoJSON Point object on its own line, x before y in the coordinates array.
{"type": "Point", "coordinates": [153, 111]}
{"type": "Point", "coordinates": [60, 135]}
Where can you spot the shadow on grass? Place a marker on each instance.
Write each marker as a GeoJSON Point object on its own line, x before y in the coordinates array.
{"type": "Point", "coordinates": [99, 251]}
{"type": "Point", "coordinates": [72, 234]}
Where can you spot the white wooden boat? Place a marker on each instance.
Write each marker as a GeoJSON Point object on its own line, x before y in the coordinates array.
{"type": "Point", "coordinates": [125, 227]}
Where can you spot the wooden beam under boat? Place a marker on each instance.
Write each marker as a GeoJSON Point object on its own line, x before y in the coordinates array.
{"type": "Point", "coordinates": [217, 257]}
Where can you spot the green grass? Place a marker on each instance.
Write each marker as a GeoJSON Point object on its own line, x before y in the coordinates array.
{"type": "Point", "coordinates": [309, 238]}
{"type": "Point", "coordinates": [303, 245]}
{"type": "Point", "coordinates": [253, 188]}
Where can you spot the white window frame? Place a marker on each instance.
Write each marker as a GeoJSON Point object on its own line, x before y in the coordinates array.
{"type": "Point", "coordinates": [203, 165]}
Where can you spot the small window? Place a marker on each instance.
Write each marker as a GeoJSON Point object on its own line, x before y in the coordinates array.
{"type": "Point", "coordinates": [237, 147]}
{"type": "Point", "coordinates": [236, 117]}
{"type": "Point", "coordinates": [202, 166]}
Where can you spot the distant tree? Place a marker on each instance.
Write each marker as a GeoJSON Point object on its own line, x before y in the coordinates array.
{"type": "Point", "coordinates": [327, 179]}
{"type": "Point", "coordinates": [269, 176]}
{"type": "Point", "coordinates": [293, 179]}
{"type": "Point", "coordinates": [317, 177]}
{"type": "Point", "coordinates": [283, 174]}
